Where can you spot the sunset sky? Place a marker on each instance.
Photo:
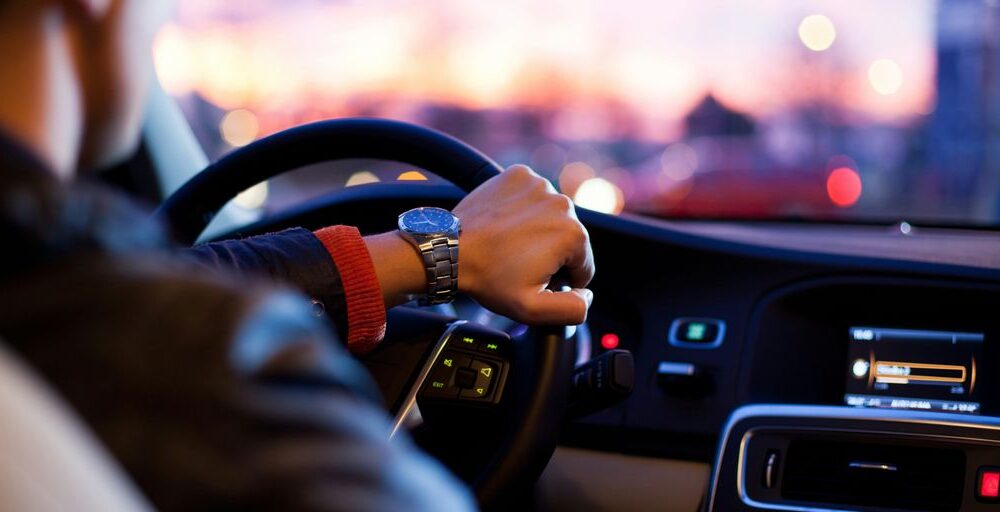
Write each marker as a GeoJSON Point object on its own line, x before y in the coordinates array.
{"type": "Point", "coordinates": [657, 57]}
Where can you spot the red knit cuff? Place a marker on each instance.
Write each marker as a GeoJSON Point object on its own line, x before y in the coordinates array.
{"type": "Point", "coordinates": [362, 293]}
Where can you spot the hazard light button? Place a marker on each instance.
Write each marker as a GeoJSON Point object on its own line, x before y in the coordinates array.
{"type": "Point", "coordinates": [988, 484]}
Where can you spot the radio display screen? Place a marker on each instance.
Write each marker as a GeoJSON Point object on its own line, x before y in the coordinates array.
{"type": "Point", "coordinates": [913, 369]}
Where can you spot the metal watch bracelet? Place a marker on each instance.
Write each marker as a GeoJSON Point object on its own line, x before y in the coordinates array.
{"type": "Point", "coordinates": [440, 257]}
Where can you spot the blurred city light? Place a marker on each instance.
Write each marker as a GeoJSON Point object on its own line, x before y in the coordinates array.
{"type": "Point", "coordinates": [843, 186]}
{"type": "Point", "coordinates": [573, 175]}
{"type": "Point", "coordinates": [253, 197]}
{"type": "Point", "coordinates": [885, 76]}
{"type": "Point", "coordinates": [239, 128]}
{"type": "Point", "coordinates": [689, 109]}
{"type": "Point", "coordinates": [600, 195]}
{"type": "Point", "coordinates": [412, 176]}
{"type": "Point", "coordinates": [361, 178]}
{"type": "Point", "coordinates": [817, 32]}
{"type": "Point", "coordinates": [679, 161]}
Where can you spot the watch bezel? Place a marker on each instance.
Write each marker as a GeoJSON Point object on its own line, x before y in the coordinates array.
{"type": "Point", "coordinates": [454, 228]}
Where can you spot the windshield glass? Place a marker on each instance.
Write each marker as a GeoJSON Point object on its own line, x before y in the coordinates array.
{"type": "Point", "coordinates": [854, 110]}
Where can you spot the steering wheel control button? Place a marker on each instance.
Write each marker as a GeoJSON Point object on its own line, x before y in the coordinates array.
{"type": "Point", "coordinates": [465, 378]}
{"type": "Point", "coordinates": [442, 380]}
{"type": "Point", "coordinates": [490, 346]}
{"type": "Point", "coordinates": [467, 340]}
{"type": "Point", "coordinates": [484, 373]}
{"type": "Point", "coordinates": [697, 332]}
{"type": "Point", "coordinates": [988, 484]}
{"type": "Point", "coordinates": [477, 339]}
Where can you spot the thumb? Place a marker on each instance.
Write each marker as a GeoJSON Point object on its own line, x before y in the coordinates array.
{"type": "Point", "coordinates": [559, 308]}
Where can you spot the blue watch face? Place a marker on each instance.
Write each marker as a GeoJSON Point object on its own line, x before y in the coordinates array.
{"type": "Point", "coordinates": [426, 221]}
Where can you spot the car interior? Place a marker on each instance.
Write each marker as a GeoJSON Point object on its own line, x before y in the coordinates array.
{"type": "Point", "coordinates": [752, 345]}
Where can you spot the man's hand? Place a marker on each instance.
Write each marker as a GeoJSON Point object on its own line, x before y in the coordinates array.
{"type": "Point", "coordinates": [517, 232]}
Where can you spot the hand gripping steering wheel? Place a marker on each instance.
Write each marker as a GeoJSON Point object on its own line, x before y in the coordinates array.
{"type": "Point", "coordinates": [492, 405]}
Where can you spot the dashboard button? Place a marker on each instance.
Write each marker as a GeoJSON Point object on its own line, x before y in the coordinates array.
{"type": "Point", "coordinates": [988, 484]}
{"type": "Point", "coordinates": [697, 332]}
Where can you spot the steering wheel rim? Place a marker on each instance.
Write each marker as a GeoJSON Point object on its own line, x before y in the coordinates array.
{"type": "Point", "coordinates": [189, 210]}
{"type": "Point", "coordinates": [545, 356]}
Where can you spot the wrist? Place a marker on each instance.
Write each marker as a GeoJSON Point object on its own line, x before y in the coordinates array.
{"type": "Point", "coordinates": [398, 267]}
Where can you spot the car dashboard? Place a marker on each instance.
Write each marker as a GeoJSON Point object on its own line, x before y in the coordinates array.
{"type": "Point", "coordinates": [782, 344]}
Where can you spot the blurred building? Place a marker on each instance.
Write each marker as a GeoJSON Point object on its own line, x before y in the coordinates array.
{"type": "Point", "coordinates": [962, 140]}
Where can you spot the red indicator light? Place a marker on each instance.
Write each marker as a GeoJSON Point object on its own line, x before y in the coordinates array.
{"type": "Point", "coordinates": [609, 341]}
{"type": "Point", "coordinates": [989, 484]}
{"type": "Point", "coordinates": [843, 186]}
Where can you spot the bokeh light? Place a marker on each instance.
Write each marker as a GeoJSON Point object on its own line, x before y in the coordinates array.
{"type": "Point", "coordinates": [600, 195]}
{"type": "Point", "coordinates": [573, 175]}
{"type": "Point", "coordinates": [412, 176]}
{"type": "Point", "coordinates": [843, 186]}
{"type": "Point", "coordinates": [253, 197]}
{"type": "Point", "coordinates": [679, 161]}
{"type": "Point", "coordinates": [361, 178]}
{"type": "Point", "coordinates": [885, 76]}
{"type": "Point", "coordinates": [239, 128]}
{"type": "Point", "coordinates": [817, 32]}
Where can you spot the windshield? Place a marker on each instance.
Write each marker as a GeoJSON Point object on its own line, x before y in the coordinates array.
{"type": "Point", "coordinates": [854, 110]}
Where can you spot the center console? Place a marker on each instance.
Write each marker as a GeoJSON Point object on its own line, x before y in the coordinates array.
{"type": "Point", "coordinates": [814, 458]}
{"type": "Point", "coordinates": [890, 400]}
{"type": "Point", "coordinates": [876, 343]}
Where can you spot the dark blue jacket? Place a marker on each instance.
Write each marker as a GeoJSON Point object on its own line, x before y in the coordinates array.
{"type": "Point", "coordinates": [203, 371]}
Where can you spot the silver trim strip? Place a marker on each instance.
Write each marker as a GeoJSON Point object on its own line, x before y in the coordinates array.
{"type": "Point", "coordinates": [988, 423]}
{"type": "Point", "coordinates": [872, 465]}
{"type": "Point", "coordinates": [409, 408]}
{"type": "Point", "coordinates": [675, 368]}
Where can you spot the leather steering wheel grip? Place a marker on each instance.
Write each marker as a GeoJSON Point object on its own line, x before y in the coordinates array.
{"type": "Point", "coordinates": [189, 210]}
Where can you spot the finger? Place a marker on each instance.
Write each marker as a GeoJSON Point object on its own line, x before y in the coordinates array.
{"type": "Point", "coordinates": [580, 263]}
{"type": "Point", "coordinates": [559, 308]}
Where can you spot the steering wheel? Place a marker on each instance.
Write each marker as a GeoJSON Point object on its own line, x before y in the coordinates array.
{"type": "Point", "coordinates": [511, 393]}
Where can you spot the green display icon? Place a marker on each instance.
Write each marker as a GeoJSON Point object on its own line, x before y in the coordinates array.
{"type": "Point", "coordinates": [437, 384]}
{"type": "Point", "coordinates": [468, 340]}
{"type": "Point", "coordinates": [449, 362]}
{"type": "Point", "coordinates": [696, 331]}
{"type": "Point", "coordinates": [491, 346]}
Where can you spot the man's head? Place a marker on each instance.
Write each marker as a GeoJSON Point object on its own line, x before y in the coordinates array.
{"type": "Point", "coordinates": [83, 68]}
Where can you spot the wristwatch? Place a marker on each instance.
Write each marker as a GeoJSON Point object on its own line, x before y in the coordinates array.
{"type": "Point", "coordinates": [434, 232]}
